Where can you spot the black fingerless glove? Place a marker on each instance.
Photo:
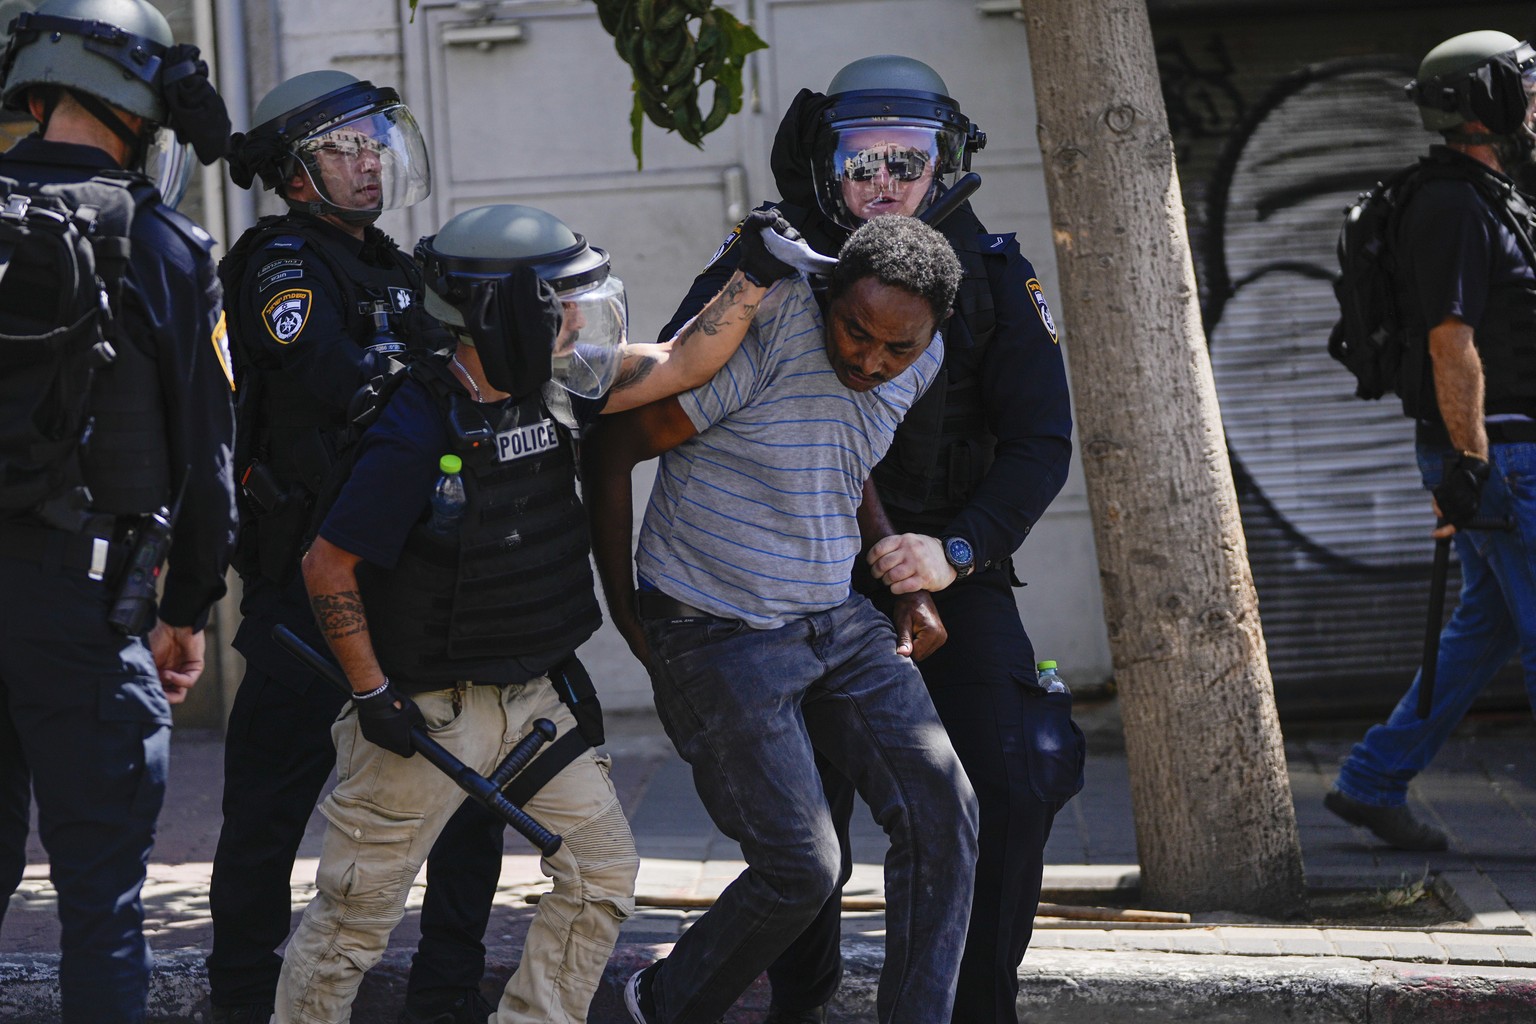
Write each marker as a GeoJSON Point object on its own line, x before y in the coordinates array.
{"type": "Point", "coordinates": [385, 725]}
{"type": "Point", "coordinates": [1460, 493]}
{"type": "Point", "coordinates": [757, 264]}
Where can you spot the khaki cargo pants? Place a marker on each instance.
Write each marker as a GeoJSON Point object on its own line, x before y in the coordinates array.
{"type": "Point", "coordinates": [385, 813]}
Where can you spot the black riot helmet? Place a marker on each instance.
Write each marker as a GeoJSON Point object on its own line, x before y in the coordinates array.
{"type": "Point", "coordinates": [356, 143]}
{"type": "Point", "coordinates": [1485, 76]}
{"type": "Point", "coordinates": [888, 137]}
{"type": "Point", "coordinates": [119, 55]}
{"type": "Point", "coordinates": [534, 299]}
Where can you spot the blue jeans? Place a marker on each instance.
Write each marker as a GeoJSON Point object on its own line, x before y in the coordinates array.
{"type": "Point", "coordinates": [1495, 617]}
{"type": "Point", "coordinates": [750, 710]}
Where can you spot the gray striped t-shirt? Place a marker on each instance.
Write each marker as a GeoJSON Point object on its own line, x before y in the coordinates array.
{"type": "Point", "coordinates": [754, 517]}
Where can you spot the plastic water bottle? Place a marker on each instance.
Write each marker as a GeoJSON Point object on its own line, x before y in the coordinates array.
{"type": "Point", "coordinates": [448, 497]}
{"type": "Point", "coordinates": [1049, 680]}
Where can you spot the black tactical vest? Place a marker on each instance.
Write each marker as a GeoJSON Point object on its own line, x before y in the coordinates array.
{"type": "Point", "coordinates": [1506, 338]}
{"type": "Point", "coordinates": [943, 448]}
{"type": "Point", "coordinates": [282, 429]}
{"type": "Point", "coordinates": [510, 595]}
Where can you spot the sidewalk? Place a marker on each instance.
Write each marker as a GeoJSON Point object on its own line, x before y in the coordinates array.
{"type": "Point", "coordinates": [1478, 965]}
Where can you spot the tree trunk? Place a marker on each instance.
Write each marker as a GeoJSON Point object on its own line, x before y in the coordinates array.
{"type": "Point", "coordinates": [1215, 826]}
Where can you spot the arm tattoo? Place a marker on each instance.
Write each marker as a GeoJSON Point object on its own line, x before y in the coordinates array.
{"type": "Point", "coordinates": [339, 614]}
{"type": "Point", "coordinates": [713, 317]}
{"type": "Point", "coordinates": [631, 375]}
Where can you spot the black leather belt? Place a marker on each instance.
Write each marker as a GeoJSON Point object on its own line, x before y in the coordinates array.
{"type": "Point", "coordinates": [95, 556]}
{"type": "Point", "coordinates": [1499, 432]}
{"type": "Point", "coordinates": [653, 604]}
{"type": "Point", "coordinates": [1510, 431]}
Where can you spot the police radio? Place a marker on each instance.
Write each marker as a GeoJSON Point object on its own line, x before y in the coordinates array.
{"type": "Point", "coordinates": [133, 606]}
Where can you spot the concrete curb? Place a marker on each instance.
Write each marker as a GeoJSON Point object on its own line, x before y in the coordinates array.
{"type": "Point", "coordinates": [1064, 987]}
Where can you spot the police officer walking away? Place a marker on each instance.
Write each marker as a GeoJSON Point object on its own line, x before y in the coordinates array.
{"type": "Point", "coordinates": [320, 300]}
{"type": "Point", "coordinates": [116, 428]}
{"type": "Point", "coordinates": [1466, 289]}
{"type": "Point", "coordinates": [974, 465]}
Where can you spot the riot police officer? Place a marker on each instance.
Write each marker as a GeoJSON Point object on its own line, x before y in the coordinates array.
{"type": "Point", "coordinates": [1465, 284]}
{"type": "Point", "coordinates": [117, 427]}
{"type": "Point", "coordinates": [320, 300]}
{"type": "Point", "coordinates": [974, 465]}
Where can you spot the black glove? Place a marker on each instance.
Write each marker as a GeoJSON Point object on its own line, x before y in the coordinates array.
{"type": "Point", "coordinates": [385, 725]}
{"type": "Point", "coordinates": [757, 264]}
{"type": "Point", "coordinates": [1461, 489]}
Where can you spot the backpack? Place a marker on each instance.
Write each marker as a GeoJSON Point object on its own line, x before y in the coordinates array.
{"type": "Point", "coordinates": [1370, 337]}
{"type": "Point", "coordinates": [64, 249]}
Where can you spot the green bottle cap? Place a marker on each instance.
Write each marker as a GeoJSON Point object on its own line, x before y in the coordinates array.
{"type": "Point", "coordinates": [1043, 665]}
{"type": "Point", "coordinates": [450, 464]}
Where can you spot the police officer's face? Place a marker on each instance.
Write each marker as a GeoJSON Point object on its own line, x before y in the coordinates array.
{"type": "Point", "coordinates": [351, 169]}
{"type": "Point", "coordinates": [571, 322]}
{"type": "Point", "coordinates": [875, 331]}
{"type": "Point", "coordinates": [887, 171]}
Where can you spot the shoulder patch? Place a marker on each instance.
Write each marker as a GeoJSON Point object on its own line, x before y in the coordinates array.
{"type": "Point", "coordinates": [293, 243]}
{"type": "Point", "coordinates": [730, 240]}
{"type": "Point", "coordinates": [996, 243]}
{"type": "Point", "coordinates": [291, 274]}
{"type": "Point", "coordinates": [278, 265]}
{"type": "Point", "coordinates": [1038, 294]}
{"type": "Point", "coordinates": [286, 313]}
{"type": "Point", "coordinates": [220, 339]}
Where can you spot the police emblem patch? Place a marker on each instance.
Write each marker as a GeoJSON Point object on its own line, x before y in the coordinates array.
{"type": "Point", "coordinates": [1038, 294]}
{"type": "Point", "coordinates": [286, 314]}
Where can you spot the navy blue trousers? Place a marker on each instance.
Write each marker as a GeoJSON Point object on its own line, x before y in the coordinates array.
{"type": "Point", "coordinates": [85, 728]}
{"type": "Point", "coordinates": [277, 757]}
{"type": "Point", "coordinates": [1024, 757]}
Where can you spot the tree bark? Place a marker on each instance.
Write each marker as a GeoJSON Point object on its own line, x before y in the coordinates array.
{"type": "Point", "coordinates": [1215, 826]}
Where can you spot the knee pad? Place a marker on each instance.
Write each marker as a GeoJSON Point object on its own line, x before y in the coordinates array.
{"type": "Point", "coordinates": [604, 849]}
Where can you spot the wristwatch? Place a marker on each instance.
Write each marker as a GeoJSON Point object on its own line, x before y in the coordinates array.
{"type": "Point", "coordinates": [960, 555]}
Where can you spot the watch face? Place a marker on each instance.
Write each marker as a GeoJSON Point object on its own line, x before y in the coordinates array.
{"type": "Point", "coordinates": [958, 551]}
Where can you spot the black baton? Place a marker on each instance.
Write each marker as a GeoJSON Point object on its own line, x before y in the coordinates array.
{"type": "Point", "coordinates": [480, 788]}
{"type": "Point", "coordinates": [1435, 623]}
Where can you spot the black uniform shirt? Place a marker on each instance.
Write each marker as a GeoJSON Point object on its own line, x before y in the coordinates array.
{"type": "Point", "coordinates": [172, 300]}
{"type": "Point", "coordinates": [289, 318]}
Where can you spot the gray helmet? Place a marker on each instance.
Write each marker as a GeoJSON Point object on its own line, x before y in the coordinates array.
{"type": "Point", "coordinates": [889, 127]}
{"type": "Point", "coordinates": [357, 143]}
{"type": "Point", "coordinates": [109, 49]}
{"type": "Point", "coordinates": [534, 298]}
{"type": "Point", "coordinates": [1483, 76]}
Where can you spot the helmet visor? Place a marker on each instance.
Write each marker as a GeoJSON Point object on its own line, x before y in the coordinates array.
{"type": "Point", "coordinates": [376, 161]}
{"type": "Point", "coordinates": [590, 346]}
{"type": "Point", "coordinates": [168, 163]}
{"type": "Point", "coordinates": [868, 168]}
{"type": "Point", "coordinates": [1524, 57]}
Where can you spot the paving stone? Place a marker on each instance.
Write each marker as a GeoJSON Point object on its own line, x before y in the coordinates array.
{"type": "Point", "coordinates": [1416, 948]}
{"type": "Point", "coordinates": [1357, 943]}
{"type": "Point", "coordinates": [1480, 950]}
{"type": "Point", "coordinates": [1519, 954]}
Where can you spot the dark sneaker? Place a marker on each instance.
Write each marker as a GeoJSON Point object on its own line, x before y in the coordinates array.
{"type": "Point", "coordinates": [1395, 826]}
{"type": "Point", "coordinates": [637, 995]}
{"type": "Point", "coordinates": [245, 1013]}
{"type": "Point", "coordinates": [469, 1008]}
{"type": "Point", "coordinates": [818, 1015]}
